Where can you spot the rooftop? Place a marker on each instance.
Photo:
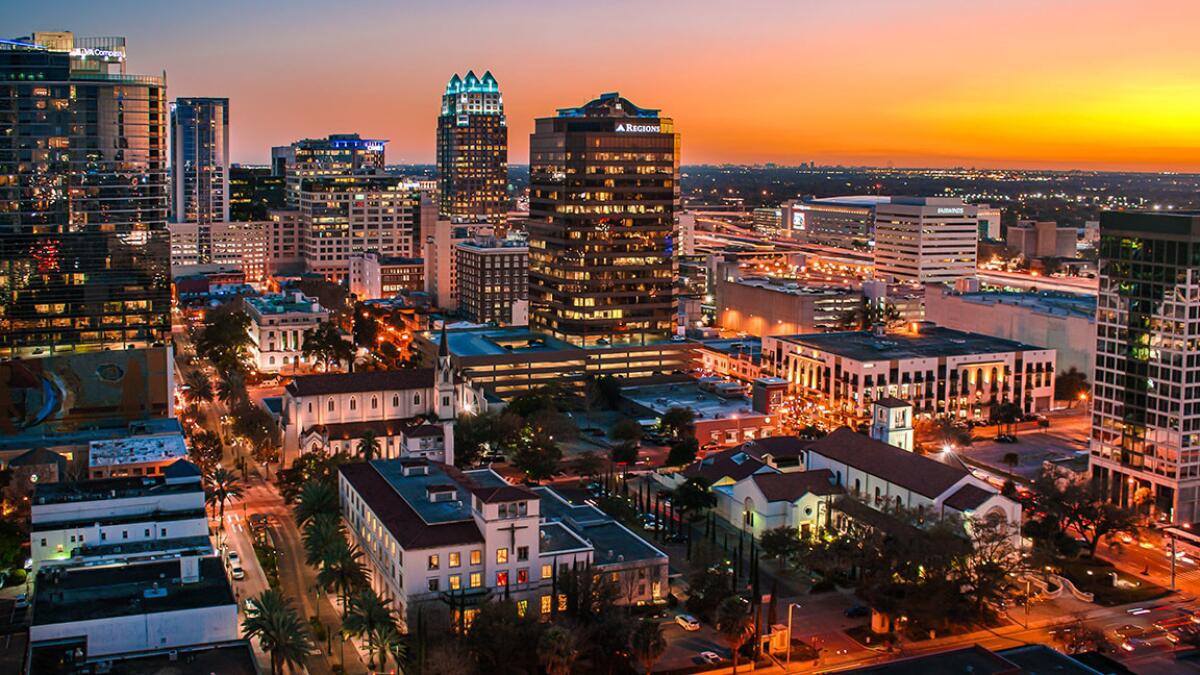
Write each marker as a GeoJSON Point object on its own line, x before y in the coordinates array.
{"type": "Point", "coordinates": [110, 488]}
{"type": "Point", "coordinates": [395, 501]}
{"type": "Point", "coordinates": [920, 474]}
{"type": "Point", "coordinates": [234, 659]}
{"type": "Point", "coordinates": [788, 487]}
{"type": "Point", "coordinates": [930, 342]}
{"type": "Point", "coordinates": [1041, 302]}
{"type": "Point", "coordinates": [750, 347]}
{"type": "Point", "coordinates": [279, 303]}
{"type": "Point", "coordinates": [497, 341]}
{"type": "Point", "coordinates": [557, 538]}
{"type": "Point", "coordinates": [86, 594]}
{"type": "Point", "coordinates": [796, 288]}
{"type": "Point", "coordinates": [611, 104]}
{"type": "Point", "coordinates": [975, 660]}
{"type": "Point", "coordinates": [734, 464]}
{"type": "Point", "coordinates": [707, 405]}
{"type": "Point", "coordinates": [852, 200]}
{"type": "Point", "coordinates": [613, 543]}
{"type": "Point", "coordinates": [375, 380]}
{"type": "Point", "coordinates": [137, 450]}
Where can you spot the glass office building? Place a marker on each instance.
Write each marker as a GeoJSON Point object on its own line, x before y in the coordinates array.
{"type": "Point", "coordinates": [603, 197]}
{"type": "Point", "coordinates": [1146, 403]}
{"type": "Point", "coordinates": [472, 151]}
{"type": "Point", "coordinates": [84, 194]}
{"type": "Point", "coordinates": [200, 165]}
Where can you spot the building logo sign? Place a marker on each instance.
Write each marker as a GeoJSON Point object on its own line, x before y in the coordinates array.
{"type": "Point", "coordinates": [950, 210]}
{"type": "Point", "coordinates": [637, 128]}
{"type": "Point", "coordinates": [84, 52]}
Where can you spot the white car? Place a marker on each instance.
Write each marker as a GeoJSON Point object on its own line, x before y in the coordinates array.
{"type": "Point", "coordinates": [711, 658]}
{"type": "Point", "coordinates": [233, 559]}
{"type": "Point", "coordinates": [687, 622]}
{"type": "Point", "coordinates": [236, 572]}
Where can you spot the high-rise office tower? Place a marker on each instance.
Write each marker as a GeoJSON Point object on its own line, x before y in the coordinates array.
{"type": "Point", "coordinates": [1145, 406]}
{"type": "Point", "coordinates": [472, 151]}
{"type": "Point", "coordinates": [200, 165]}
{"type": "Point", "coordinates": [925, 240]}
{"type": "Point", "coordinates": [84, 248]}
{"type": "Point", "coordinates": [337, 155]}
{"type": "Point", "coordinates": [603, 197]}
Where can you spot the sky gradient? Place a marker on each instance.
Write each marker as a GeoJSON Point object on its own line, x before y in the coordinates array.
{"type": "Point", "coordinates": [1088, 84]}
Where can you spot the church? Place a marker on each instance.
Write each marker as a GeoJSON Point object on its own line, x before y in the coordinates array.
{"type": "Point", "coordinates": [410, 412]}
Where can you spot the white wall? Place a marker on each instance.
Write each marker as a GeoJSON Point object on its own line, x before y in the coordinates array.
{"type": "Point", "coordinates": [145, 632]}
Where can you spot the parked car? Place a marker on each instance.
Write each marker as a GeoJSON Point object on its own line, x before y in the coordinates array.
{"type": "Point", "coordinates": [1006, 438]}
{"type": "Point", "coordinates": [857, 611]}
{"type": "Point", "coordinates": [710, 658]}
{"type": "Point", "coordinates": [687, 622]}
{"type": "Point", "coordinates": [232, 558]}
{"type": "Point", "coordinates": [236, 572]}
{"type": "Point", "coordinates": [22, 601]}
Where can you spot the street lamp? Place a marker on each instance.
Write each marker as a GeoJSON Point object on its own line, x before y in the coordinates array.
{"type": "Point", "coordinates": [788, 661]}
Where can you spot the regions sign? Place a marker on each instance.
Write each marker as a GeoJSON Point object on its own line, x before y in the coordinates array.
{"type": "Point", "coordinates": [625, 128]}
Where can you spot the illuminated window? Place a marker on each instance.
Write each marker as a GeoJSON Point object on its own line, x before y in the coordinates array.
{"type": "Point", "coordinates": [562, 602]}
{"type": "Point", "coordinates": [547, 571]}
{"type": "Point", "coordinates": [501, 578]}
{"type": "Point", "coordinates": [501, 556]}
{"type": "Point", "coordinates": [434, 563]}
{"type": "Point", "coordinates": [522, 576]}
{"type": "Point", "coordinates": [476, 557]}
{"type": "Point", "coordinates": [455, 559]}
{"type": "Point", "coordinates": [476, 579]}
{"type": "Point", "coordinates": [455, 582]}
{"type": "Point", "coordinates": [546, 607]}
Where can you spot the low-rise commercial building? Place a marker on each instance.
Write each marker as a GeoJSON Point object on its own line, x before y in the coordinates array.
{"type": "Point", "coordinates": [739, 359]}
{"type": "Point", "coordinates": [724, 415]}
{"type": "Point", "coordinates": [432, 533]}
{"type": "Point", "coordinates": [507, 362]}
{"type": "Point", "coordinates": [1063, 322]}
{"type": "Point", "coordinates": [944, 372]}
{"type": "Point", "coordinates": [1042, 239]}
{"type": "Point", "coordinates": [761, 306]}
{"type": "Point", "coordinates": [843, 222]}
{"type": "Point", "coordinates": [277, 326]}
{"type": "Point", "coordinates": [73, 522]}
{"type": "Point", "coordinates": [136, 455]}
{"type": "Point", "coordinates": [374, 277]}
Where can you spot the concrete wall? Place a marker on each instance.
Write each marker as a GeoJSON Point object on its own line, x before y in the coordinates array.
{"type": "Point", "coordinates": [145, 632]}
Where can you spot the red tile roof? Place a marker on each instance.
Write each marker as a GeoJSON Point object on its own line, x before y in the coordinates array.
{"type": "Point", "coordinates": [777, 446]}
{"type": "Point", "coordinates": [922, 475]}
{"type": "Point", "coordinates": [788, 487]}
{"type": "Point", "coordinates": [968, 497]}
{"type": "Point", "coordinates": [724, 464]}
{"type": "Point", "coordinates": [375, 380]}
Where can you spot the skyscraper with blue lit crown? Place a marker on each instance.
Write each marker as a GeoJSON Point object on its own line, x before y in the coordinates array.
{"type": "Point", "coordinates": [472, 151]}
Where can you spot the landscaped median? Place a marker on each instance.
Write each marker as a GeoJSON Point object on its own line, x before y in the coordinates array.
{"type": "Point", "coordinates": [1092, 575]}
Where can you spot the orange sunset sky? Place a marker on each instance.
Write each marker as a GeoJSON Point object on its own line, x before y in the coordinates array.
{"type": "Point", "coordinates": [1101, 84]}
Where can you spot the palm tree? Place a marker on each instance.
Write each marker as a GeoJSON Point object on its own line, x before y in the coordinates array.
{"type": "Point", "coordinates": [342, 570]}
{"type": "Point", "coordinates": [200, 388]}
{"type": "Point", "coordinates": [368, 445]}
{"type": "Point", "coordinates": [321, 536]}
{"type": "Point", "coordinates": [369, 617]}
{"type": "Point", "coordinates": [231, 389]}
{"type": "Point", "coordinates": [557, 650]}
{"type": "Point", "coordinates": [223, 487]}
{"type": "Point", "coordinates": [389, 642]}
{"type": "Point", "coordinates": [648, 643]}
{"type": "Point", "coordinates": [272, 619]}
{"type": "Point", "coordinates": [316, 497]}
{"type": "Point", "coordinates": [735, 624]}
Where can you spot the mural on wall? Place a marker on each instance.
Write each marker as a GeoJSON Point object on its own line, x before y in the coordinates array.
{"type": "Point", "coordinates": [62, 394]}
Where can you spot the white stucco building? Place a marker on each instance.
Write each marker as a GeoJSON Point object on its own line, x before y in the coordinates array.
{"type": "Point", "coordinates": [277, 326]}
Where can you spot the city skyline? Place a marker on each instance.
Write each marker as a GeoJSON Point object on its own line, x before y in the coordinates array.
{"type": "Point", "coordinates": [1013, 85]}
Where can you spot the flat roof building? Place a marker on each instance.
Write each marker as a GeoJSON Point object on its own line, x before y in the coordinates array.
{"type": "Point", "coordinates": [493, 276]}
{"type": "Point", "coordinates": [759, 306]}
{"type": "Point", "coordinates": [944, 372]}
{"type": "Point", "coordinates": [923, 240]}
{"type": "Point", "coordinates": [141, 455]}
{"type": "Point", "coordinates": [278, 322]}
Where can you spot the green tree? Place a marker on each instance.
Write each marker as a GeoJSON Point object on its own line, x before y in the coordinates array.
{"type": "Point", "coordinates": [331, 296]}
{"type": "Point", "coordinates": [735, 624]}
{"type": "Point", "coordinates": [231, 389]}
{"type": "Point", "coordinates": [678, 422]}
{"type": "Point", "coordinates": [321, 538]}
{"type": "Point", "coordinates": [1006, 415]}
{"type": "Point", "coordinates": [683, 451]}
{"type": "Point", "coordinates": [483, 433]}
{"type": "Point", "coordinates": [200, 389]}
{"type": "Point", "coordinates": [782, 543]}
{"type": "Point", "coordinates": [502, 641]}
{"type": "Point", "coordinates": [558, 650]}
{"type": "Point", "coordinates": [537, 458]}
{"type": "Point", "coordinates": [624, 454]}
{"type": "Point", "coordinates": [1082, 508]}
{"type": "Point", "coordinates": [390, 643]}
{"type": "Point", "coordinates": [626, 431]}
{"type": "Point", "coordinates": [342, 571]}
{"type": "Point", "coordinates": [1011, 460]}
{"type": "Point", "coordinates": [368, 445]}
{"type": "Point", "coordinates": [366, 327]}
{"type": "Point", "coordinates": [224, 340]}
{"type": "Point", "coordinates": [369, 617]}
{"type": "Point", "coordinates": [205, 449]}
{"type": "Point", "coordinates": [648, 643]}
{"type": "Point", "coordinates": [223, 487]}
{"type": "Point", "coordinates": [316, 497]}
{"type": "Point", "coordinates": [1072, 386]}
{"type": "Point", "coordinates": [587, 464]}
{"type": "Point", "coordinates": [693, 497]}
{"type": "Point", "coordinates": [325, 344]}
{"type": "Point", "coordinates": [271, 619]}
{"type": "Point", "coordinates": [259, 429]}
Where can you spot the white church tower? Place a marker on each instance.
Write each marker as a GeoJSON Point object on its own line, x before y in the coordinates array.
{"type": "Point", "coordinates": [444, 395]}
{"type": "Point", "coordinates": [892, 422]}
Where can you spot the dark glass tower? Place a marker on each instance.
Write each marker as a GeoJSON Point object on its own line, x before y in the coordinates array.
{"type": "Point", "coordinates": [200, 165]}
{"type": "Point", "coordinates": [472, 151]}
{"type": "Point", "coordinates": [84, 249]}
{"type": "Point", "coordinates": [1146, 407]}
{"type": "Point", "coordinates": [603, 196]}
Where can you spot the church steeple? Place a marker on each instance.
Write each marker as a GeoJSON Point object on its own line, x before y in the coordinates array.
{"type": "Point", "coordinates": [444, 379]}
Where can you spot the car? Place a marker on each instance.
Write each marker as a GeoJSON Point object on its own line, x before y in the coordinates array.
{"type": "Point", "coordinates": [1129, 630]}
{"type": "Point", "coordinates": [677, 538]}
{"type": "Point", "coordinates": [233, 558]}
{"type": "Point", "coordinates": [710, 657]}
{"type": "Point", "coordinates": [22, 601]}
{"type": "Point", "coordinates": [236, 572]}
{"type": "Point", "coordinates": [1006, 438]}
{"type": "Point", "coordinates": [857, 611]}
{"type": "Point", "coordinates": [687, 622]}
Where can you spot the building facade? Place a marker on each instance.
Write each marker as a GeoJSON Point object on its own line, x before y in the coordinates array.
{"type": "Point", "coordinates": [943, 372]}
{"type": "Point", "coordinates": [493, 274]}
{"type": "Point", "coordinates": [472, 151]}
{"type": "Point", "coordinates": [1145, 407]}
{"type": "Point", "coordinates": [923, 240]}
{"type": "Point", "coordinates": [277, 326]}
{"type": "Point", "coordinates": [344, 215]}
{"type": "Point", "coordinates": [603, 197]}
{"type": "Point", "coordinates": [759, 306]}
{"type": "Point", "coordinates": [373, 276]}
{"type": "Point", "coordinates": [841, 222]}
{"type": "Point", "coordinates": [336, 155]}
{"type": "Point", "coordinates": [200, 165]}
{"type": "Point", "coordinates": [1042, 239]}
{"type": "Point", "coordinates": [241, 245]}
{"type": "Point", "coordinates": [84, 247]}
